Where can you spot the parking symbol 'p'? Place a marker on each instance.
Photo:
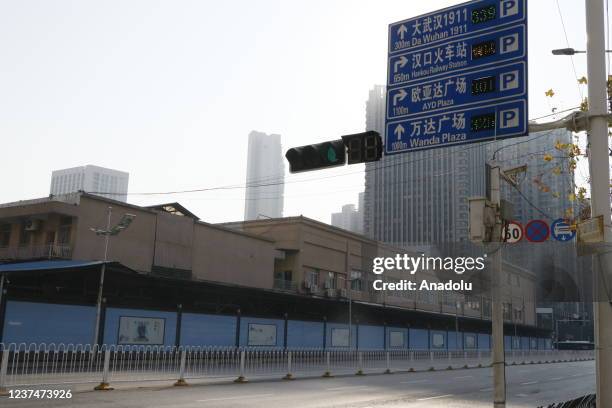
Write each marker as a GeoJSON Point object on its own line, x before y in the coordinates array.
{"type": "Point", "coordinates": [508, 8]}
{"type": "Point", "coordinates": [508, 43]}
{"type": "Point", "coordinates": [509, 118]}
{"type": "Point", "coordinates": [509, 80]}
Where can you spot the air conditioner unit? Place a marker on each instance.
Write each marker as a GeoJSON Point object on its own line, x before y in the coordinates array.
{"type": "Point", "coordinates": [342, 293]}
{"type": "Point", "coordinates": [330, 293]}
{"type": "Point", "coordinates": [32, 225]}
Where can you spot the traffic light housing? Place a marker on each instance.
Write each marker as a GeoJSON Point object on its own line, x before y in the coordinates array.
{"type": "Point", "coordinates": [360, 148]}
{"type": "Point", "coordinates": [363, 147]}
{"type": "Point", "coordinates": [316, 156]}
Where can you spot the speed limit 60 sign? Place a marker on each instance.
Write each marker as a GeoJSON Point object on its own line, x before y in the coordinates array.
{"type": "Point", "coordinates": [513, 232]}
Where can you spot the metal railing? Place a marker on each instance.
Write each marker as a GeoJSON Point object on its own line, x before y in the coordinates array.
{"type": "Point", "coordinates": [49, 364]}
{"type": "Point", "coordinates": [283, 284]}
{"type": "Point", "coordinates": [588, 401]}
{"type": "Point", "coordinates": [49, 251]}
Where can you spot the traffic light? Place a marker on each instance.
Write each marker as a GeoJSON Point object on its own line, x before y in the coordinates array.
{"type": "Point", "coordinates": [363, 147]}
{"type": "Point", "coordinates": [316, 156]}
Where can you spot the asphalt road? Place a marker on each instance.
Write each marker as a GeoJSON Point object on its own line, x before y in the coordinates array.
{"type": "Point", "coordinates": [528, 386]}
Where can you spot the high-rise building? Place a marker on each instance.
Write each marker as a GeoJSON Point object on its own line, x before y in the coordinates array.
{"type": "Point", "coordinates": [350, 218]}
{"type": "Point", "coordinates": [420, 198]}
{"type": "Point", "coordinates": [265, 177]}
{"type": "Point", "coordinates": [105, 182]}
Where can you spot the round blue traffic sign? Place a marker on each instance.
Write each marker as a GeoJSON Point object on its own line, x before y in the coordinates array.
{"type": "Point", "coordinates": [537, 231]}
{"type": "Point", "coordinates": [562, 231]}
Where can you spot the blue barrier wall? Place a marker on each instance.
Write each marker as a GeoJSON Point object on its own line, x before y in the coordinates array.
{"type": "Point", "coordinates": [28, 322]}
{"type": "Point", "coordinates": [31, 322]}
{"type": "Point", "coordinates": [304, 334]}
{"type": "Point", "coordinates": [419, 339]}
{"type": "Point", "coordinates": [371, 337]}
{"type": "Point", "coordinates": [208, 330]}
{"type": "Point", "coordinates": [402, 333]}
{"type": "Point", "coordinates": [113, 315]}
{"type": "Point", "coordinates": [524, 343]}
{"type": "Point", "coordinates": [331, 327]}
{"type": "Point", "coordinates": [260, 330]}
{"type": "Point", "coordinates": [455, 340]}
{"type": "Point", "coordinates": [507, 343]}
{"type": "Point", "coordinates": [484, 341]}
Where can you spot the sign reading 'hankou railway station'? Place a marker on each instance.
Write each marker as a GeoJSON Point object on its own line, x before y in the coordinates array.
{"type": "Point", "coordinates": [457, 75]}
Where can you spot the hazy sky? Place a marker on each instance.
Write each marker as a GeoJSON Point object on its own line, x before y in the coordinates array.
{"type": "Point", "coordinates": [169, 90]}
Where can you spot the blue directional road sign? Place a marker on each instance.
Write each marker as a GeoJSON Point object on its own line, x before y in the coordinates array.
{"type": "Point", "coordinates": [457, 91]}
{"type": "Point", "coordinates": [457, 75]}
{"type": "Point", "coordinates": [562, 231]}
{"type": "Point", "coordinates": [469, 18]}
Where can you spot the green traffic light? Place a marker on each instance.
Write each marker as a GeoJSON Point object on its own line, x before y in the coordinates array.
{"type": "Point", "coordinates": [331, 155]}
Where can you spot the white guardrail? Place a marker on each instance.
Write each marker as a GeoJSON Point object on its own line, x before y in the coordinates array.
{"type": "Point", "coordinates": [50, 364]}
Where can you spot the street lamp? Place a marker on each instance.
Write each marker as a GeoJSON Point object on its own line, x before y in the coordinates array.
{"type": "Point", "coordinates": [124, 222]}
{"type": "Point", "coordinates": [569, 51]}
{"type": "Point", "coordinates": [348, 283]}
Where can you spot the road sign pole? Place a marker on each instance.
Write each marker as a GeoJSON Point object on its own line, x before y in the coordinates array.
{"type": "Point", "coordinates": [497, 312]}
{"type": "Point", "coordinates": [600, 193]}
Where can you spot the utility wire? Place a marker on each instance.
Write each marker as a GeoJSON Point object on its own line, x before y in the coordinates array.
{"type": "Point", "coordinates": [568, 46]}
{"type": "Point", "coordinates": [451, 151]}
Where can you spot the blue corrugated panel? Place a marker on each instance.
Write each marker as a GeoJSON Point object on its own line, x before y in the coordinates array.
{"type": "Point", "coordinates": [28, 322]}
{"type": "Point", "coordinates": [371, 337]}
{"type": "Point", "coordinates": [208, 330]}
{"type": "Point", "coordinates": [419, 339]}
{"type": "Point", "coordinates": [304, 334]}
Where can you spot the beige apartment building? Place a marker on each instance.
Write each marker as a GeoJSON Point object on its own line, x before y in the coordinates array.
{"type": "Point", "coordinates": [322, 260]}
{"type": "Point", "coordinates": [165, 239]}
{"type": "Point", "coordinates": [293, 255]}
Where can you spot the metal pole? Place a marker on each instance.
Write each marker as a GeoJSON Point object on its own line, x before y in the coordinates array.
{"type": "Point", "coordinates": [102, 271]}
{"type": "Point", "coordinates": [1, 288]}
{"type": "Point", "coordinates": [600, 193]}
{"type": "Point", "coordinates": [497, 313]}
{"type": "Point", "coordinates": [350, 318]}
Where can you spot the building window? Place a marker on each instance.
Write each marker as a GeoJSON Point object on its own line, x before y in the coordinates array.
{"type": "Point", "coordinates": [356, 281]}
{"type": "Point", "coordinates": [312, 277]}
{"type": "Point", "coordinates": [282, 280]}
{"type": "Point", "coordinates": [65, 228]}
{"type": "Point", "coordinates": [5, 235]}
{"type": "Point", "coordinates": [25, 236]}
{"type": "Point", "coordinates": [331, 280]}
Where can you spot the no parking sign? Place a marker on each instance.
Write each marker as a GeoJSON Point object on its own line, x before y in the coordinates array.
{"type": "Point", "coordinates": [537, 231]}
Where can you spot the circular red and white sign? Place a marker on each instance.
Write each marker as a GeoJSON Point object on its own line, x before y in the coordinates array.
{"type": "Point", "coordinates": [513, 232]}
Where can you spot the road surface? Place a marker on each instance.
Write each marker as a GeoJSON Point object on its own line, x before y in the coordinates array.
{"type": "Point", "coordinates": [528, 386]}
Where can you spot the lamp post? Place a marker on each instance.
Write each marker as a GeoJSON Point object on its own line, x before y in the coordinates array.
{"type": "Point", "coordinates": [599, 166]}
{"type": "Point", "coordinates": [124, 222]}
{"type": "Point", "coordinates": [569, 51]}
